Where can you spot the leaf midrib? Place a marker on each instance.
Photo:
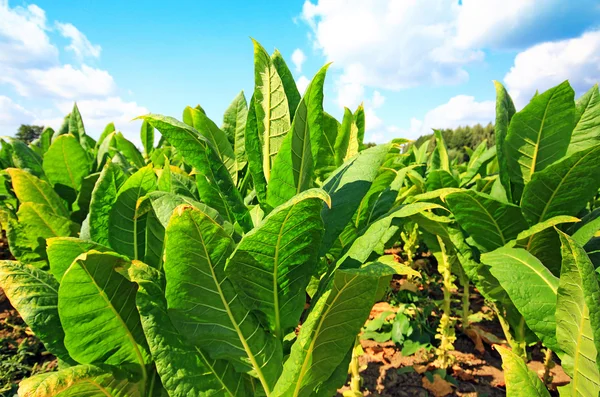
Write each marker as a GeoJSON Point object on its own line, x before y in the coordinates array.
{"type": "Point", "coordinates": [539, 136]}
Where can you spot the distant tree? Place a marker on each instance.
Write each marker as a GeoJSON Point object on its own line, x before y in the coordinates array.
{"type": "Point", "coordinates": [28, 133]}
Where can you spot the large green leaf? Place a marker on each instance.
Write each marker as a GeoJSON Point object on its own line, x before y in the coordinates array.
{"type": "Point", "coordinates": [440, 179]}
{"type": "Point", "coordinates": [583, 231]}
{"type": "Point", "coordinates": [78, 381]}
{"type": "Point", "coordinates": [30, 189]}
{"type": "Point", "coordinates": [587, 128]}
{"type": "Point", "coordinates": [203, 304]}
{"type": "Point", "coordinates": [234, 126]}
{"type": "Point", "coordinates": [25, 158]}
{"type": "Point", "coordinates": [331, 328]}
{"type": "Point", "coordinates": [255, 155]}
{"type": "Point", "coordinates": [126, 224]}
{"type": "Point", "coordinates": [62, 251]}
{"type": "Point", "coordinates": [34, 293]}
{"type": "Point", "coordinates": [289, 84]}
{"type": "Point", "coordinates": [539, 134]}
{"type": "Point", "coordinates": [217, 188]}
{"type": "Point", "coordinates": [520, 380]}
{"type": "Point", "coordinates": [293, 168]}
{"type": "Point", "coordinates": [147, 137]}
{"type": "Point", "coordinates": [531, 287]}
{"type": "Point", "coordinates": [489, 222]}
{"type": "Point", "coordinates": [346, 141]}
{"type": "Point", "coordinates": [578, 319]}
{"type": "Point", "coordinates": [325, 162]}
{"type": "Point", "coordinates": [103, 199]}
{"type": "Point", "coordinates": [98, 313]}
{"type": "Point", "coordinates": [129, 150]}
{"type": "Point", "coordinates": [205, 126]}
{"type": "Point", "coordinates": [271, 106]}
{"type": "Point", "coordinates": [564, 188]}
{"type": "Point", "coordinates": [66, 164]}
{"type": "Point", "coordinates": [347, 187]}
{"type": "Point", "coordinates": [439, 159]}
{"type": "Point", "coordinates": [184, 369]}
{"type": "Point", "coordinates": [272, 265]}
{"type": "Point", "coordinates": [505, 110]}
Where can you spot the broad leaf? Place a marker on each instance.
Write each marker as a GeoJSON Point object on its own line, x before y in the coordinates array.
{"type": "Point", "coordinates": [289, 84]}
{"type": "Point", "coordinates": [539, 134]}
{"type": "Point", "coordinates": [66, 164]}
{"type": "Point", "coordinates": [564, 188]}
{"type": "Point", "coordinates": [147, 137]}
{"type": "Point", "coordinates": [103, 199]}
{"type": "Point", "coordinates": [587, 128]}
{"type": "Point", "coordinates": [255, 155]}
{"type": "Point", "coordinates": [520, 380]}
{"type": "Point", "coordinates": [29, 189]}
{"type": "Point", "coordinates": [234, 126]}
{"type": "Point", "coordinates": [272, 264]}
{"type": "Point", "coordinates": [325, 161]}
{"type": "Point", "coordinates": [505, 110]}
{"type": "Point", "coordinates": [26, 159]}
{"type": "Point", "coordinates": [62, 251]}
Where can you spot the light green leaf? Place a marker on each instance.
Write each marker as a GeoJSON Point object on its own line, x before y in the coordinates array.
{"type": "Point", "coordinates": [184, 369]}
{"type": "Point", "coordinates": [583, 231]}
{"type": "Point", "coordinates": [505, 110]}
{"type": "Point", "coordinates": [531, 287]}
{"type": "Point", "coordinates": [255, 155]}
{"type": "Point", "coordinates": [62, 251]}
{"type": "Point", "coordinates": [30, 189]}
{"type": "Point", "coordinates": [234, 126]}
{"type": "Point", "coordinates": [78, 381]}
{"type": "Point", "coordinates": [325, 162]}
{"type": "Point", "coordinates": [110, 128]}
{"type": "Point", "coordinates": [293, 168]}
{"type": "Point", "coordinates": [272, 264]}
{"type": "Point", "coordinates": [359, 121]}
{"type": "Point", "coordinates": [34, 293]}
{"type": "Point", "coordinates": [489, 222]}
{"type": "Point", "coordinates": [103, 199]}
{"type": "Point", "coordinates": [25, 158]}
{"type": "Point", "coordinates": [203, 304]}
{"type": "Point", "coordinates": [539, 134]}
{"type": "Point", "coordinates": [289, 84]}
{"type": "Point", "coordinates": [346, 142]}
{"type": "Point", "coordinates": [147, 138]}
{"type": "Point", "coordinates": [126, 224]}
{"type": "Point", "coordinates": [46, 139]}
{"type": "Point", "coordinates": [66, 164]}
{"type": "Point", "coordinates": [520, 380]}
{"type": "Point", "coordinates": [564, 188]}
{"type": "Point", "coordinates": [440, 179]}
{"type": "Point", "coordinates": [98, 313]}
{"type": "Point", "coordinates": [331, 328]}
{"type": "Point", "coordinates": [76, 127]}
{"type": "Point", "coordinates": [208, 129]}
{"type": "Point", "coordinates": [587, 116]}
{"type": "Point", "coordinates": [439, 157]}
{"type": "Point", "coordinates": [271, 105]}
{"type": "Point", "coordinates": [578, 319]}
{"type": "Point", "coordinates": [128, 149]}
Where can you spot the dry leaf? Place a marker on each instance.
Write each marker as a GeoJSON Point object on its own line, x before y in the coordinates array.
{"type": "Point", "coordinates": [439, 387]}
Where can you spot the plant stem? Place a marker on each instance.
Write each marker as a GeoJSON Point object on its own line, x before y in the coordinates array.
{"type": "Point", "coordinates": [446, 327]}
{"type": "Point", "coordinates": [548, 365]}
{"type": "Point", "coordinates": [355, 379]}
{"type": "Point", "coordinates": [518, 343]}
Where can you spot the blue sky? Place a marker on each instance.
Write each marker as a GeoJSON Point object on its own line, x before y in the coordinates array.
{"type": "Point", "coordinates": [416, 65]}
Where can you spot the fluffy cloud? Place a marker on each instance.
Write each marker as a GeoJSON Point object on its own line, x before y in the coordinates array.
{"type": "Point", "coordinates": [63, 82]}
{"type": "Point", "coordinates": [548, 64]}
{"type": "Point", "coordinates": [12, 115]}
{"type": "Point", "coordinates": [80, 44]}
{"type": "Point", "coordinates": [298, 59]}
{"type": "Point", "coordinates": [23, 38]}
{"type": "Point", "coordinates": [302, 83]}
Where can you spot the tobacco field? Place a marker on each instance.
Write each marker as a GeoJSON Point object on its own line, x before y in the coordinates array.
{"type": "Point", "coordinates": [274, 253]}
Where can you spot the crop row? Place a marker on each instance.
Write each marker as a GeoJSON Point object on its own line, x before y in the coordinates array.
{"type": "Point", "coordinates": [185, 269]}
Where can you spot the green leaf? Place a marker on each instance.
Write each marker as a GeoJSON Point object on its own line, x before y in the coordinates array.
{"type": "Point", "coordinates": [98, 313]}
{"type": "Point", "coordinates": [126, 225]}
{"type": "Point", "coordinates": [440, 179]}
{"type": "Point", "coordinates": [478, 163]}
{"type": "Point", "coordinates": [325, 161]}
{"type": "Point", "coordinates": [66, 164]}
{"type": "Point", "coordinates": [564, 188]}
{"type": "Point", "coordinates": [293, 168]}
{"type": "Point", "coordinates": [587, 117]}
{"type": "Point", "coordinates": [103, 199]}
{"type": "Point", "coordinates": [110, 128]}
{"type": "Point", "coordinates": [128, 149]}
{"type": "Point", "coordinates": [347, 187]}
{"type": "Point", "coordinates": [29, 189]}
{"type": "Point", "coordinates": [583, 231]}
{"type": "Point", "coordinates": [345, 145]}
{"type": "Point", "coordinates": [62, 251]}
{"type": "Point", "coordinates": [359, 121]}
{"type": "Point", "coordinates": [34, 293]}
{"type": "Point", "coordinates": [531, 287]}
{"type": "Point", "coordinates": [25, 158]}
{"type": "Point", "coordinates": [78, 381]}
{"type": "Point", "coordinates": [46, 139]}
{"type": "Point", "coordinates": [272, 264]}
{"type": "Point", "coordinates": [287, 79]}
{"type": "Point", "coordinates": [217, 186]}
{"type": "Point", "coordinates": [520, 380]}
{"type": "Point", "coordinates": [489, 222]}
{"type": "Point", "coordinates": [331, 328]}
{"type": "Point", "coordinates": [578, 319]}
{"type": "Point", "coordinates": [439, 157]}
{"type": "Point", "coordinates": [184, 369]}
{"type": "Point", "coordinates": [147, 138]}
{"type": "Point", "coordinates": [255, 155]}
{"type": "Point", "coordinates": [539, 134]}
{"type": "Point", "coordinates": [271, 105]}
{"type": "Point", "coordinates": [234, 126]}
{"type": "Point", "coordinates": [76, 127]}
{"type": "Point", "coordinates": [203, 304]}
{"type": "Point", "coordinates": [505, 110]}
{"type": "Point", "coordinates": [208, 129]}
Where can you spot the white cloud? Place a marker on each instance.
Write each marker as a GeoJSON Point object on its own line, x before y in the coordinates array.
{"type": "Point", "coordinates": [298, 58]}
{"type": "Point", "coordinates": [12, 115]}
{"type": "Point", "coordinates": [62, 82]}
{"type": "Point", "coordinates": [302, 83]}
{"type": "Point", "coordinates": [23, 38]}
{"type": "Point", "coordinates": [548, 64]}
{"type": "Point", "coordinates": [80, 44]}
